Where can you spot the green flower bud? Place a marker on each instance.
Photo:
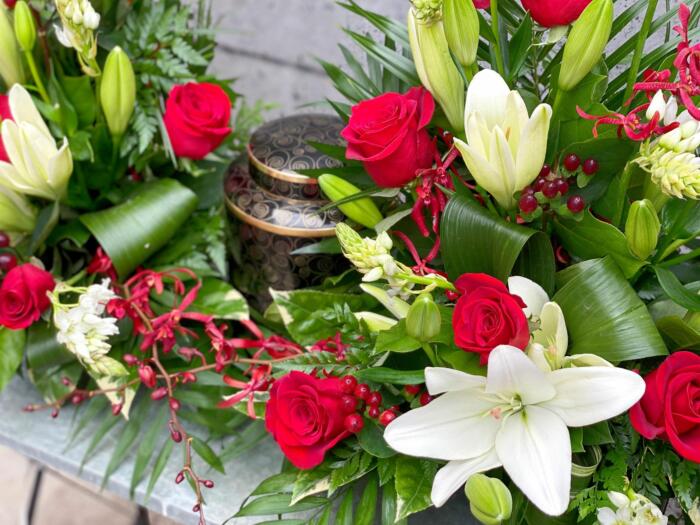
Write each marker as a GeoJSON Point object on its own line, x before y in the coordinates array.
{"type": "Point", "coordinates": [25, 28]}
{"type": "Point", "coordinates": [118, 91]}
{"type": "Point", "coordinates": [11, 70]}
{"type": "Point", "coordinates": [586, 43]}
{"type": "Point", "coordinates": [489, 499]}
{"type": "Point", "coordinates": [642, 228]}
{"type": "Point", "coordinates": [362, 211]}
{"type": "Point", "coordinates": [427, 10]}
{"type": "Point", "coordinates": [436, 69]}
{"type": "Point", "coordinates": [423, 319]}
{"type": "Point", "coordinates": [462, 30]}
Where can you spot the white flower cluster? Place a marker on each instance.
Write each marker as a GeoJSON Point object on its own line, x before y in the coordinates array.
{"type": "Point", "coordinates": [82, 327]}
{"type": "Point", "coordinates": [634, 509]}
{"type": "Point", "coordinates": [79, 21]}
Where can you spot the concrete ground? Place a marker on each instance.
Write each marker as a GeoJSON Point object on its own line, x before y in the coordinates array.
{"type": "Point", "coordinates": [61, 500]}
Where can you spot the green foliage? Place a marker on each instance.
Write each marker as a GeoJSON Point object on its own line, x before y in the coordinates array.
{"type": "Point", "coordinates": [12, 350]}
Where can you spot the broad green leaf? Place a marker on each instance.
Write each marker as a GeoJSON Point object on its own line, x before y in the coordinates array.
{"type": "Point", "coordinates": [387, 375]}
{"type": "Point", "coordinates": [49, 381]}
{"type": "Point", "coordinates": [310, 482]}
{"type": "Point", "coordinates": [371, 439]}
{"type": "Point", "coordinates": [278, 504]}
{"type": "Point", "coordinates": [414, 480]}
{"type": "Point", "coordinates": [598, 434]}
{"type": "Point", "coordinates": [282, 522]}
{"type": "Point", "coordinates": [136, 229]}
{"type": "Point", "coordinates": [221, 300]}
{"type": "Point", "coordinates": [43, 350]}
{"type": "Point", "coordinates": [79, 92]}
{"type": "Point", "coordinates": [159, 466]}
{"type": "Point", "coordinates": [676, 291]}
{"type": "Point", "coordinates": [592, 238]}
{"type": "Point", "coordinates": [329, 245]}
{"type": "Point", "coordinates": [396, 340]}
{"type": "Point", "coordinates": [389, 505]}
{"type": "Point", "coordinates": [344, 515]}
{"type": "Point", "coordinates": [147, 447]}
{"type": "Point", "coordinates": [205, 452]}
{"type": "Point", "coordinates": [368, 502]}
{"type": "Point", "coordinates": [282, 482]}
{"type": "Point", "coordinates": [604, 315]}
{"type": "Point", "coordinates": [352, 469]}
{"type": "Point", "coordinates": [576, 437]}
{"type": "Point", "coordinates": [461, 360]}
{"type": "Point", "coordinates": [679, 332]}
{"type": "Point", "coordinates": [11, 351]}
{"type": "Point", "coordinates": [681, 218]}
{"type": "Point", "coordinates": [519, 46]}
{"type": "Point", "coordinates": [46, 221]}
{"type": "Point", "coordinates": [475, 240]}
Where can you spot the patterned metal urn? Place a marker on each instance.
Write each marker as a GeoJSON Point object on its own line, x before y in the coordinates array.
{"type": "Point", "coordinates": [276, 210]}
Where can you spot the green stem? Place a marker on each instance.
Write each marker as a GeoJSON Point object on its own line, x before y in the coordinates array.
{"type": "Point", "coordinates": [431, 354]}
{"type": "Point", "coordinates": [37, 79]}
{"type": "Point", "coordinates": [77, 277]}
{"type": "Point", "coordinates": [639, 49]}
{"type": "Point", "coordinates": [497, 36]}
{"type": "Point", "coordinates": [624, 184]}
{"type": "Point", "coordinates": [419, 279]}
{"type": "Point", "coordinates": [665, 251]}
{"type": "Point", "coordinates": [681, 258]}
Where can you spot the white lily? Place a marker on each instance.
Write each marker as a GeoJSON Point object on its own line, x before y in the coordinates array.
{"type": "Point", "coordinates": [17, 215]}
{"type": "Point", "coordinates": [550, 339]}
{"type": "Point", "coordinates": [37, 167]}
{"type": "Point", "coordinates": [505, 147]}
{"type": "Point", "coordinates": [516, 417]}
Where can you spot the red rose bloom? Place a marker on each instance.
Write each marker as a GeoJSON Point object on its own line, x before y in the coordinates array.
{"type": "Point", "coordinates": [23, 296]}
{"type": "Point", "coordinates": [305, 416]}
{"type": "Point", "coordinates": [487, 315]}
{"type": "Point", "coordinates": [388, 135]}
{"type": "Point", "coordinates": [670, 407]}
{"type": "Point", "coordinates": [482, 4]}
{"type": "Point", "coordinates": [550, 13]}
{"type": "Point", "coordinates": [4, 114]}
{"type": "Point", "coordinates": [197, 117]}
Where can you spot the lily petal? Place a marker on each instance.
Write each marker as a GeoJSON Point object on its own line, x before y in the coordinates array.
{"type": "Point", "coordinates": [535, 449]}
{"type": "Point", "coordinates": [487, 94]}
{"type": "Point", "coordinates": [579, 360]}
{"type": "Point", "coordinates": [516, 118]}
{"type": "Point", "coordinates": [482, 171]}
{"type": "Point", "coordinates": [397, 306]}
{"type": "Point", "coordinates": [511, 373]}
{"type": "Point", "coordinates": [23, 109]}
{"type": "Point", "coordinates": [450, 478]}
{"type": "Point", "coordinates": [441, 380]}
{"type": "Point", "coordinates": [453, 426]}
{"type": "Point", "coordinates": [591, 394]}
{"type": "Point", "coordinates": [502, 160]}
{"type": "Point", "coordinates": [552, 331]}
{"type": "Point", "coordinates": [531, 157]}
{"type": "Point", "coordinates": [532, 294]}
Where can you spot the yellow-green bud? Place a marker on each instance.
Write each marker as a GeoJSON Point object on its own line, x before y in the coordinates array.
{"type": "Point", "coordinates": [11, 70]}
{"type": "Point", "coordinates": [642, 228]}
{"type": "Point", "coordinates": [25, 28]}
{"type": "Point", "coordinates": [586, 43]}
{"type": "Point", "coordinates": [118, 91]}
{"type": "Point", "coordinates": [462, 29]}
{"type": "Point", "coordinates": [363, 210]}
{"type": "Point", "coordinates": [427, 10]}
{"type": "Point", "coordinates": [489, 499]}
{"type": "Point", "coordinates": [423, 319]}
{"type": "Point", "coordinates": [436, 69]}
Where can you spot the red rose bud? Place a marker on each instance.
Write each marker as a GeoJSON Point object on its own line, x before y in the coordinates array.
{"type": "Point", "coordinates": [23, 296]}
{"type": "Point", "coordinates": [159, 393]}
{"type": "Point", "coordinates": [299, 402]}
{"type": "Point", "coordinates": [76, 399]}
{"type": "Point", "coordinates": [197, 118]}
{"type": "Point", "coordinates": [392, 151]}
{"type": "Point", "coordinates": [148, 376]}
{"type": "Point", "coordinates": [188, 377]}
{"type": "Point", "coordinates": [54, 413]}
{"type": "Point", "coordinates": [551, 13]}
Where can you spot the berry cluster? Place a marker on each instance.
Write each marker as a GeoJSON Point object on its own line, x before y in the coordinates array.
{"type": "Point", "coordinates": [7, 260]}
{"type": "Point", "coordinates": [359, 396]}
{"type": "Point", "coordinates": [414, 390]}
{"type": "Point", "coordinates": [550, 187]}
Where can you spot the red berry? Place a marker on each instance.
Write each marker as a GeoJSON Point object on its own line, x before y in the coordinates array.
{"type": "Point", "coordinates": [7, 262]}
{"type": "Point", "coordinates": [373, 412]}
{"type": "Point", "coordinates": [208, 483]}
{"type": "Point", "coordinates": [551, 189]}
{"type": "Point", "coordinates": [528, 203]}
{"type": "Point", "coordinates": [174, 404]}
{"type": "Point", "coordinates": [348, 384]}
{"type": "Point", "coordinates": [562, 186]}
{"type": "Point", "coordinates": [575, 203]}
{"type": "Point", "coordinates": [349, 404]}
{"type": "Point", "coordinates": [354, 423]}
{"type": "Point", "coordinates": [4, 240]}
{"type": "Point", "coordinates": [412, 390]}
{"type": "Point", "coordinates": [374, 399]}
{"type": "Point", "coordinates": [176, 436]}
{"type": "Point", "coordinates": [572, 162]}
{"type": "Point", "coordinates": [387, 417]}
{"type": "Point", "coordinates": [539, 184]}
{"type": "Point", "coordinates": [362, 391]}
{"type": "Point", "coordinates": [528, 190]}
{"type": "Point", "coordinates": [77, 399]}
{"type": "Point", "coordinates": [425, 398]}
{"type": "Point", "coordinates": [590, 166]}
{"type": "Point", "coordinates": [546, 170]}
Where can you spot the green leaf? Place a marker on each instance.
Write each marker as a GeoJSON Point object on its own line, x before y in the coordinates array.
{"type": "Point", "coordinates": [126, 440]}
{"type": "Point", "coordinates": [681, 218]}
{"type": "Point", "coordinates": [205, 452]}
{"type": "Point", "coordinates": [387, 375]}
{"type": "Point", "coordinates": [350, 470]}
{"type": "Point", "coordinates": [396, 63]}
{"type": "Point", "coordinates": [676, 291]}
{"type": "Point", "coordinates": [496, 247]}
{"type": "Point", "coordinates": [344, 515]}
{"type": "Point", "coordinates": [160, 464]}
{"type": "Point", "coordinates": [221, 300]}
{"type": "Point", "coordinates": [368, 502]}
{"type": "Point", "coordinates": [679, 332]}
{"type": "Point", "coordinates": [414, 479]}
{"type": "Point", "coordinates": [591, 238]}
{"type": "Point", "coordinates": [519, 46]}
{"type": "Point", "coordinates": [282, 522]}
{"type": "Point", "coordinates": [147, 447]}
{"type": "Point", "coordinates": [102, 430]}
{"type": "Point", "coordinates": [329, 245]}
{"type": "Point", "coordinates": [604, 315]}
{"type": "Point", "coordinates": [43, 350]}
{"type": "Point", "coordinates": [282, 482]}
{"type": "Point", "coordinates": [136, 229]}
{"type": "Point", "coordinates": [78, 90]}
{"type": "Point", "coordinates": [389, 504]}
{"type": "Point", "coordinates": [598, 434]}
{"type": "Point", "coordinates": [576, 437]}
{"type": "Point", "coordinates": [11, 351]}
{"type": "Point", "coordinates": [371, 439]}
{"type": "Point", "coordinates": [45, 223]}
{"type": "Point", "coordinates": [278, 504]}
{"type": "Point", "coordinates": [396, 340]}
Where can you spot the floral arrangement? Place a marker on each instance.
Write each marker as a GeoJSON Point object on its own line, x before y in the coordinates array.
{"type": "Point", "coordinates": [521, 316]}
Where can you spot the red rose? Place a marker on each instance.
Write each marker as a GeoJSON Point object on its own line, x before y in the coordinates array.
{"type": "Point", "coordinates": [550, 13]}
{"type": "Point", "coordinates": [482, 4]}
{"type": "Point", "coordinates": [10, 3]}
{"type": "Point", "coordinates": [305, 416]}
{"type": "Point", "coordinates": [23, 296]}
{"type": "Point", "coordinates": [4, 114]}
{"type": "Point", "coordinates": [388, 135]}
{"type": "Point", "coordinates": [197, 117]}
{"type": "Point", "coordinates": [670, 407]}
{"type": "Point", "coordinates": [487, 315]}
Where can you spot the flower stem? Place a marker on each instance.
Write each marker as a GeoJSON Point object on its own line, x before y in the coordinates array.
{"type": "Point", "coordinates": [37, 79]}
{"type": "Point", "coordinates": [419, 279]}
{"type": "Point", "coordinates": [681, 258]}
{"type": "Point", "coordinates": [639, 49]}
{"type": "Point", "coordinates": [497, 36]}
{"type": "Point", "coordinates": [430, 353]}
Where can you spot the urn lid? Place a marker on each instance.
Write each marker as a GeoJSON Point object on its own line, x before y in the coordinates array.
{"type": "Point", "coordinates": [281, 148]}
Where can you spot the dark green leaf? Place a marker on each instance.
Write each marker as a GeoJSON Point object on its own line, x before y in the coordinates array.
{"type": "Point", "coordinates": [388, 375]}
{"type": "Point", "coordinates": [221, 300]}
{"type": "Point", "coordinates": [598, 434]}
{"type": "Point", "coordinates": [310, 482]}
{"type": "Point", "coordinates": [344, 515]}
{"type": "Point", "coordinates": [161, 462]}
{"type": "Point", "coordinates": [676, 291]}
{"type": "Point", "coordinates": [102, 430]}
{"type": "Point", "coordinates": [371, 439]}
{"type": "Point", "coordinates": [329, 245]}
{"type": "Point", "coordinates": [414, 479]}
{"type": "Point", "coordinates": [78, 90]}
{"type": "Point", "coordinates": [45, 223]}
{"type": "Point", "coordinates": [126, 440]}
{"type": "Point", "coordinates": [389, 504]}
{"type": "Point", "coordinates": [43, 350]}
{"type": "Point", "coordinates": [278, 504]}
{"type": "Point", "coordinates": [205, 452]}
{"type": "Point", "coordinates": [282, 482]}
{"type": "Point", "coordinates": [366, 507]}
{"type": "Point", "coordinates": [147, 447]}
{"type": "Point", "coordinates": [395, 339]}
{"type": "Point", "coordinates": [11, 351]}
{"type": "Point", "coordinates": [679, 332]}
{"type": "Point", "coordinates": [519, 46]}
